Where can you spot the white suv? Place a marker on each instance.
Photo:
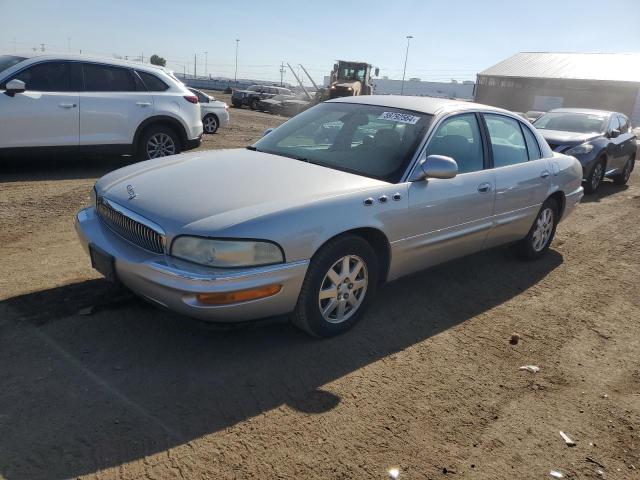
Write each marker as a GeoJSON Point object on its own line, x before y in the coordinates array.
{"type": "Point", "coordinates": [95, 106]}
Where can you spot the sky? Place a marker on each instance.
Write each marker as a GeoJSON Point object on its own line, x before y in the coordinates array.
{"type": "Point", "coordinates": [451, 39]}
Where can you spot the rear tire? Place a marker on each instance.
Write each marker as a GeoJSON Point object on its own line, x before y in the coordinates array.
{"type": "Point", "coordinates": [332, 299]}
{"type": "Point", "coordinates": [541, 233]}
{"type": "Point", "coordinates": [158, 141]}
{"type": "Point", "coordinates": [253, 104]}
{"type": "Point", "coordinates": [210, 124]}
{"type": "Point", "coordinates": [623, 178]}
{"type": "Point", "coordinates": [594, 179]}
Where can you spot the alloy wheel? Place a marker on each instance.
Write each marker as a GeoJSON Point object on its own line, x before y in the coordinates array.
{"type": "Point", "coordinates": [596, 176]}
{"type": "Point", "coordinates": [160, 145]}
{"type": "Point", "coordinates": [210, 124]}
{"type": "Point", "coordinates": [343, 289]}
{"type": "Point", "coordinates": [543, 229]}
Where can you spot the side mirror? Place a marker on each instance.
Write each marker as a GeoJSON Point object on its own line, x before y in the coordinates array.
{"type": "Point", "coordinates": [15, 86]}
{"type": "Point", "coordinates": [437, 166]}
{"type": "Point", "coordinates": [377, 72]}
{"type": "Point", "coordinates": [614, 133]}
{"type": "Point", "coordinates": [267, 132]}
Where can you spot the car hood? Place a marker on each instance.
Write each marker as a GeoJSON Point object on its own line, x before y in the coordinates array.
{"type": "Point", "coordinates": [200, 192]}
{"type": "Point", "coordinates": [558, 137]}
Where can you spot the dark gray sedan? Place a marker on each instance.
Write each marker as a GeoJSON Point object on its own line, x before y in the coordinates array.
{"type": "Point", "coordinates": [602, 141]}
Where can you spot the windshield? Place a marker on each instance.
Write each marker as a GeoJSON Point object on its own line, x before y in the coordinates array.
{"type": "Point", "coordinates": [352, 72]}
{"type": "Point", "coordinates": [8, 61]}
{"type": "Point", "coordinates": [368, 140]}
{"type": "Point", "coordinates": [572, 122]}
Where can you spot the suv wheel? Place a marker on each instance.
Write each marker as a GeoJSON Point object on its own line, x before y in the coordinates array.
{"type": "Point", "coordinates": [340, 282]}
{"type": "Point", "coordinates": [623, 178]}
{"type": "Point", "coordinates": [253, 104]}
{"type": "Point", "coordinates": [595, 177]}
{"type": "Point", "coordinates": [158, 142]}
{"type": "Point", "coordinates": [210, 124]}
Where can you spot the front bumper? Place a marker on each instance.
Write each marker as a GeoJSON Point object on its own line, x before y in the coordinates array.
{"type": "Point", "coordinates": [173, 283]}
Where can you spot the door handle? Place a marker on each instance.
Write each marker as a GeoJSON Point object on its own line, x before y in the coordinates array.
{"type": "Point", "coordinates": [544, 174]}
{"type": "Point", "coordinates": [484, 187]}
{"type": "Point", "coordinates": [67, 105]}
{"type": "Point", "coordinates": [143, 104]}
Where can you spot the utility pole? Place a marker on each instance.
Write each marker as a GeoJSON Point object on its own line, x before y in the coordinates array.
{"type": "Point", "coordinates": [282, 74]}
{"type": "Point", "coordinates": [235, 77]}
{"type": "Point", "coordinates": [142, 57]}
{"type": "Point", "coordinates": [406, 55]}
{"type": "Point", "coordinates": [195, 64]}
{"type": "Point", "coordinates": [42, 47]}
{"type": "Point", "coordinates": [206, 61]}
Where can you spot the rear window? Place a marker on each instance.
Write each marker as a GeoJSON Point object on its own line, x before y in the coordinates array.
{"type": "Point", "coordinates": [153, 83]}
{"type": "Point", "coordinates": [104, 78]}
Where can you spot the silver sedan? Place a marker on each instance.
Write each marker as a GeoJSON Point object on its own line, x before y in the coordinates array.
{"type": "Point", "coordinates": [309, 220]}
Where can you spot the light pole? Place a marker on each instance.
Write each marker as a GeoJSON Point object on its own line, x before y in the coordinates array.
{"type": "Point", "coordinates": [406, 56]}
{"type": "Point", "coordinates": [235, 77]}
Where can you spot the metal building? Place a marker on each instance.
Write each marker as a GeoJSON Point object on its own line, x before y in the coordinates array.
{"type": "Point", "coordinates": [542, 81]}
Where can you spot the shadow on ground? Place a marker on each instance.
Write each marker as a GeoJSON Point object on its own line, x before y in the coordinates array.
{"type": "Point", "coordinates": [27, 168]}
{"type": "Point", "coordinates": [606, 189]}
{"type": "Point", "coordinates": [84, 393]}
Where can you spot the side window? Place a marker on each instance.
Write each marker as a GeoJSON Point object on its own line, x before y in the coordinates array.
{"type": "Point", "coordinates": [103, 78]}
{"type": "Point", "coordinates": [624, 124]}
{"type": "Point", "coordinates": [615, 124]}
{"type": "Point", "coordinates": [46, 77]}
{"type": "Point", "coordinates": [153, 83]}
{"type": "Point", "coordinates": [459, 138]}
{"type": "Point", "coordinates": [532, 144]}
{"type": "Point", "coordinates": [507, 142]}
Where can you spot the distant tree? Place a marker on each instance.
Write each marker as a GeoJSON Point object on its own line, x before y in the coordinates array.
{"type": "Point", "coordinates": [157, 60]}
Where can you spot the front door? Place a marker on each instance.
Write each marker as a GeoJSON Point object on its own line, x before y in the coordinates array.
{"type": "Point", "coordinates": [46, 114]}
{"type": "Point", "coordinates": [450, 218]}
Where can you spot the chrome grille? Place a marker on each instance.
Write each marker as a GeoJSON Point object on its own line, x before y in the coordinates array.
{"type": "Point", "coordinates": [118, 220]}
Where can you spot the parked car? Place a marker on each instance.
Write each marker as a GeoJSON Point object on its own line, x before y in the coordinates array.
{"type": "Point", "coordinates": [215, 114]}
{"type": "Point", "coordinates": [251, 96]}
{"type": "Point", "coordinates": [78, 103]}
{"type": "Point", "coordinates": [306, 227]}
{"type": "Point", "coordinates": [286, 105]}
{"type": "Point", "coordinates": [533, 115]}
{"type": "Point", "coordinates": [602, 141]}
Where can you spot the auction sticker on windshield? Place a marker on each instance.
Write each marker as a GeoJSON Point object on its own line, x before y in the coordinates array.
{"type": "Point", "coordinates": [399, 117]}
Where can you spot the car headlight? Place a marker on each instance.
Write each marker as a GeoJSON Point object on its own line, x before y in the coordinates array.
{"type": "Point", "coordinates": [581, 149]}
{"type": "Point", "coordinates": [226, 253]}
{"type": "Point", "coordinates": [93, 196]}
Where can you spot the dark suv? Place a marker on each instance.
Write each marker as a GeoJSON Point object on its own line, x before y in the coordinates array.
{"type": "Point", "coordinates": [602, 141]}
{"type": "Point", "coordinates": [251, 96]}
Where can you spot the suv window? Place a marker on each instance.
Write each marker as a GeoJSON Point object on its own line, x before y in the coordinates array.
{"type": "Point", "coordinates": [459, 138]}
{"type": "Point", "coordinates": [153, 83]}
{"type": "Point", "coordinates": [507, 142]}
{"type": "Point", "coordinates": [624, 124]}
{"type": "Point", "coordinates": [532, 143]}
{"type": "Point", "coordinates": [46, 77]}
{"type": "Point", "coordinates": [104, 78]}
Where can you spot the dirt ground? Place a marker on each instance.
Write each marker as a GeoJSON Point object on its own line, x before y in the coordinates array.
{"type": "Point", "coordinates": [427, 383]}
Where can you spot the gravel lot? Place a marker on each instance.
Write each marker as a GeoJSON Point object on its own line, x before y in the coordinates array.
{"type": "Point", "coordinates": [428, 381]}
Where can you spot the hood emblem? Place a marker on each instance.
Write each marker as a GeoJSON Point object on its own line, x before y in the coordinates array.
{"type": "Point", "coordinates": [131, 192]}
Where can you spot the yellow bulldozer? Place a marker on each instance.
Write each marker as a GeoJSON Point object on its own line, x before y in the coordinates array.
{"type": "Point", "coordinates": [349, 79]}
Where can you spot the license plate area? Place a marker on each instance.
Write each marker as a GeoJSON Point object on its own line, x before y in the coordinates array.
{"type": "Point", "coordinates": [103, 263]}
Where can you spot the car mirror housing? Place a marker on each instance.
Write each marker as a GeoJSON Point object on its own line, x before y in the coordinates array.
{"type": "Point", "coordinates": [437, 166]}
{"type": "Point", "coordinates": [614, 133]}
{"type": "Point", "coordinates": [15, 86]}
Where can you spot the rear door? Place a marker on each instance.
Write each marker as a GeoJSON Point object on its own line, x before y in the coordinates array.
{"type": "Point", "coordinates": [627, 144]}
{"type": "Point", "coordinates": [522, 177]}
{"type": "Point", "coordinates": [112, 106]}
{"type": "Point", "coordinates": [46, 114]}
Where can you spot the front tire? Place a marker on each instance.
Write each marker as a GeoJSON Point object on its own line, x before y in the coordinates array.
{"type": "Point", "coordinates": [340, 282]}
{"type": "Point", "coordinates": [623, 178]}
{"type": "Point", "coordinates": [541, 234]}
{"type": "Point", "coordinates": [253, 105]}
{"type": "Point", "coordinates": [210, 124]}
{"type": "Point", "coordinates": [158, 141]}
{"type": "Point", "coordinates": [595, 177]}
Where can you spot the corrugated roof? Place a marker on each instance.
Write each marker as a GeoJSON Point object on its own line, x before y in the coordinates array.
{"type": "Point", "coordinates": [621, 67]}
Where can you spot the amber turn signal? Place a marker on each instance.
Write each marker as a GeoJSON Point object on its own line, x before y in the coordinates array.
{"type": "Point", "coordinates": [226, 298]}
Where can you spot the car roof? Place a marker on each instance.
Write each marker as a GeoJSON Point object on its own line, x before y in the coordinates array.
{"type": "Point", "coordinates": [430, 105]}
{"type": "Point", "coordinates": [590, 111]}
{"type": "Point", "coordinates": [90, 58]}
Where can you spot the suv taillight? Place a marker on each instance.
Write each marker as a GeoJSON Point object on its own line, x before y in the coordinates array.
{"type": "Point", "coordinates": [191, 98]}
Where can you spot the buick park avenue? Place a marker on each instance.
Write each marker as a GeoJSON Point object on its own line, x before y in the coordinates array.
{"type": "Point", "coordinates": [309, 220]}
